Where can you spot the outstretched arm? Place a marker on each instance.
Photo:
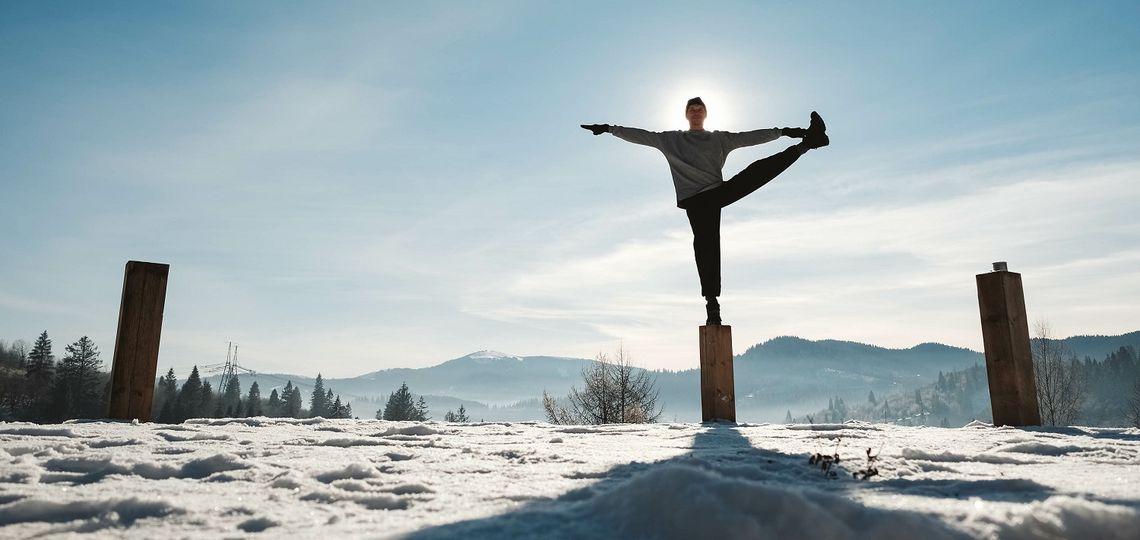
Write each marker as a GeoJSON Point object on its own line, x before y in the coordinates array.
{"type": "Point", "coordinates": [637, 136]}
{"type": "Point", "coordinates": [633, 135]}
{"type": "Point", "coordinates": [751, 138]}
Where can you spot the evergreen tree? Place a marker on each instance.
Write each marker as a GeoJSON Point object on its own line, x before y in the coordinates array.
{"type": "Point", "coordinates": [210, 404]}
{"type": "Point", "coordinates": [286, 393]}
{"type": "Point", "coordinates": [319, 402]}
{"type": "Point", "coordinates": [231, 398]}
{"type": "Point", "coordinates": [189, 397]}
{"type": "Point", "coordinates": [401, 407]}
{"type": "Point", "coordinates": [292, 403]}
{"type": "Point", "coordinates": [871, 398]}
{"type": "Point", "coordinates": [78, 388]}
{"type": "Point", "coordinates": [38, 374]}
{"type": "Point", "coordinates": [421, 410]}
{"type": "Point", "coordinates": [461, 416]}
{"type": "Point", "coordinates": [273, 406]}
{"type": "Point", "coordinates": [788, 417]}
{"type": "Point", "coordinates": [165, 398]}
{"type": "Point", "coordinates": [253, 406]}
{"type": "Point", "coordinates": [339, 409]}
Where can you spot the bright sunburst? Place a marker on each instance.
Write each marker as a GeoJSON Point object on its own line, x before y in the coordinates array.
{"type": "Point", "coordinates": [717, 98]}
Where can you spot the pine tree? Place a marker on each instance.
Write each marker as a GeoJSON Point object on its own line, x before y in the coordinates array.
{"type": "Point", "coordinates": [339, 409]}
{"type": "Point", "coordinates": [401, 407]}
{"type": "Point", "coordinates": [210, 404]}
{"type": "Point", "coordinates": [231, 398]}
{"type": "Point", "coordinates": [292, 403]}
{"type": "Point", "coordinates": [253, 406]}
{"type": "Point", "coordinates": [319, 403]}
{"type": "Point", "coordinates": [273, 406]}
{"type": "Point", "coordinates": [39, 373]}
{"type": "Point", "coordinates": [286, 393]}
{"type": "Point", "coordinates": [871, 398]}
{"type": "Point", "coordinates": [788, 417]}
{"type": "Point", "coordinates": [458, 417]}
{"type": "Point", "coordinates": [421, 411]}
{"type": "Point", "coordinates": [78, 388]}
{"type": "Point", "coordinates": [189, 397]}
{"type": "Point", "coordinates": [165, 398]}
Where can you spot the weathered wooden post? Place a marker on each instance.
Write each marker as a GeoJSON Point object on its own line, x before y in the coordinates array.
{"type": "Point", "coordinates": [718, 394]}
{"type": "Point", "coordinates": [1009, 361]}
{"type": "Point", "coordinates": [136, 344]}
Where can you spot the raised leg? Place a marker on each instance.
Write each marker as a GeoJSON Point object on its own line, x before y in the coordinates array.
{"type": "Point", "coordinates": [752, 178]}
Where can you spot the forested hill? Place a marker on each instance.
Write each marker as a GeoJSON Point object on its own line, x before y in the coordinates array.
{"type": "Point", "coordinates": [1097, 347]}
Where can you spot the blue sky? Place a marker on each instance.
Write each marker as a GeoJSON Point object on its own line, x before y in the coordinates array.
{"type": "Point", "coordinates": [344, 187]}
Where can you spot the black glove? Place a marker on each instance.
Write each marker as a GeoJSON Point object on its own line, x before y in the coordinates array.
{"type": "Point", "coordinates": [798, 133]}
{"type": "Point", "coordinates": [597, 129]}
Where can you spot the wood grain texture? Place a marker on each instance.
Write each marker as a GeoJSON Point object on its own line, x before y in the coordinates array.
{"type": "Point", "coordinates": [137, 341]}
{"type": "Point", "coordinates": [1009, 360]}
{"type": "Point", "coordinates": [718, 393]}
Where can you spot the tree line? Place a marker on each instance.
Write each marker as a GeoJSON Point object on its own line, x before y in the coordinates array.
{"type": "Point", "coordinates": [1070, 391]}
{"type": "Point", "coordinates": [401, 407]}
{"type": "Point", "coordinates": [35, 387]}
{"type": "Point", "coordinates": [196, 398]}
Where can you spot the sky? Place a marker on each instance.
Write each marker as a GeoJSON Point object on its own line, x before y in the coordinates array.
{"type": "Point", "coordinates": [353, 186]}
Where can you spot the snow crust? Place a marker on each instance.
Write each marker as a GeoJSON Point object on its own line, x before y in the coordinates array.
{"type": "Point", "coordinates": [328, 478]}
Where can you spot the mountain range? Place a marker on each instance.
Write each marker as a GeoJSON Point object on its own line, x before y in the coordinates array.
{"type": "Point", "coordinates": [772, 378]}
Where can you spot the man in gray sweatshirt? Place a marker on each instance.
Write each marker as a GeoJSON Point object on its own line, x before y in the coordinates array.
{"type": "Point", "coordinates": [696, 158]}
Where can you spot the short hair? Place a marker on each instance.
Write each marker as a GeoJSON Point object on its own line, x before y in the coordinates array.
{"type": "Point", "coordinates": [694, 101]}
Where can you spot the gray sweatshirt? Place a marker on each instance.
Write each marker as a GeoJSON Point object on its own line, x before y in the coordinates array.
{"type": "Point", "coordinates": [695, 157]}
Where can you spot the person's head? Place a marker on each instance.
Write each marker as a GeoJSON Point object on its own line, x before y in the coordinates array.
{"type": "Point", "coordinates": [696, 113]}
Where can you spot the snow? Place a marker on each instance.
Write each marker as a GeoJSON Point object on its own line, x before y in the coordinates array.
{"type": "Point", "coordinates": [487, 355]}
{"type": "Point", "coordinates": [316, 477]}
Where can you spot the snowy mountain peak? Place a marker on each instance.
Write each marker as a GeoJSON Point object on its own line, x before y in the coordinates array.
{"type": "Point", "coordinates": [488, 355]}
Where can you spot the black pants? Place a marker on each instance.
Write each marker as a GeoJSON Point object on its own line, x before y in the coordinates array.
{"type": "Point", "coordinates": [704, 212]}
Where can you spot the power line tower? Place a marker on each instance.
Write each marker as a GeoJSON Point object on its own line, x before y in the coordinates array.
{"type": "Point", "coordinates": [229, 368]}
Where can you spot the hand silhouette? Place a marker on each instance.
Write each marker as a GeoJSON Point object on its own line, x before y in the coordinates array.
{"type": "Point", "coordinates": [597, 129]}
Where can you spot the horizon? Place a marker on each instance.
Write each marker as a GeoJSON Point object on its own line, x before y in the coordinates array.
{"type": "Point", "coordinates": [735, 354]}
{"type": "Point", "coordinates": [374, 186]}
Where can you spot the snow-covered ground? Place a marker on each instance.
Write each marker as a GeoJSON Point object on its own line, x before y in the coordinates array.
{"type": "Point", "coordinates": [351, 478]}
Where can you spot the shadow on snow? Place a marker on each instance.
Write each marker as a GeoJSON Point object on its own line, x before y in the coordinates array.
{"type": "Point", "coordinates": [726, 488]}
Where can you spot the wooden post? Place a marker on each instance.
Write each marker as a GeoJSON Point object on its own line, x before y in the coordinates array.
{"type": "Point", "coordinates": [718, 395]}
{"type": "Point", "coordinates": [136, 344]}
{"type": "Point", "coordinates": [1009, 361]}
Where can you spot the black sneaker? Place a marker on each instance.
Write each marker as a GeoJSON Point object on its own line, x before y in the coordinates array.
{"type": "Point", "coordinates": [713, 309]}
{"type": "Point", "coordinates": [816, 132]}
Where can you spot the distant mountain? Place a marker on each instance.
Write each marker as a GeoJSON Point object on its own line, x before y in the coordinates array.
{"type": "Point", "coordinates": [781, 374]}
{"type": "Point", "coordinates": [791, 373]}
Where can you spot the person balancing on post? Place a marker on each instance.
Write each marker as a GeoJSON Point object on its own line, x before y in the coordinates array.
{"type": "Point", "coordinates": [696, 158]}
